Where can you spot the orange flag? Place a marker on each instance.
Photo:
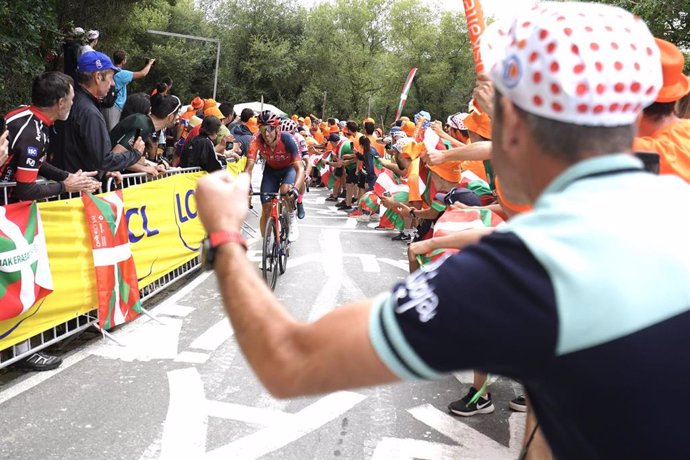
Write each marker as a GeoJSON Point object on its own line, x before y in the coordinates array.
{"type": "Point", "coordinates": [475, 28]}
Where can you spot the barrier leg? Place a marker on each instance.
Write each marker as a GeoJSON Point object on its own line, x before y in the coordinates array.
{"type": "Point", "coordinates": [152, 316]}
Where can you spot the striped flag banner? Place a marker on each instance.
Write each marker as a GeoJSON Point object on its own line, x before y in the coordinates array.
{"type": "Point", "coordinates": [390, 218]}
{"type": "Point", "coordinates": [455, 220]}
{"type": "Point", "coordinates": [116, 276]}
{"type": "Point", "coordinates": [24, 270]}
{"type": "Point", "coordinates": [405, 90]}
{"type": "Point", "coordinates": [369, 203]}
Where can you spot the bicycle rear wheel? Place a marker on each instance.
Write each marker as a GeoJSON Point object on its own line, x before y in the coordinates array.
{"type": "Point", "coordinates": [284, 242]}
{"type": "Point", "coordinates": [269, 256]}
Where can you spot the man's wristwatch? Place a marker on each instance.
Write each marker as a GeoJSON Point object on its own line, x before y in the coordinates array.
{"type": "Point", "coordinates": [213, 241]}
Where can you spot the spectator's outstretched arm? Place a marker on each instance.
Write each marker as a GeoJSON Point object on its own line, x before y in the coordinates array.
{"type": "Point", "coordinates": [475, 151]}
{"type": "Point", "coordinates": [290, 358]}
{"type": "Point", "coordinates": [144, 71]}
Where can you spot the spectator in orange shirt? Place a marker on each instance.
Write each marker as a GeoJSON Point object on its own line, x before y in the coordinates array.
{"type": "Point", "coordinates": [660, 129]}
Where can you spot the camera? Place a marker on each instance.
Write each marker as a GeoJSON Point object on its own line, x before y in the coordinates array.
{"type": "Point", "coordinates": [229, 146]}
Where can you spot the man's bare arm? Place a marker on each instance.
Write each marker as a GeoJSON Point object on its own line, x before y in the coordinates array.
{"type": "Point", "coordinates": [290, 358]}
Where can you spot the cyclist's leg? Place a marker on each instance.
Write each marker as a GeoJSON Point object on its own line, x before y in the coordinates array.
{"type": "Point", "coordinates": [270, 182]}
{"type": "Point", "coordinates": [287, 181]}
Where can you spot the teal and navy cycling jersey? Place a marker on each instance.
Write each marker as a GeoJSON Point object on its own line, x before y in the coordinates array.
{"type": "Point", "coordinates": [586, 300]}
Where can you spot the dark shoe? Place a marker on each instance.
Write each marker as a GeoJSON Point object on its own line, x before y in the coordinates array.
{"type": "Point", "coordinates": [342, 194]}
{"type": "Point", "coordinates": [300, 210]}
{"type": "Point", "coordinates": [345, 208]}
{"type": "Point", "coordinates": [519, 404]}
{"type": "Point", "coordinates": [39, 362]}
{"type": "Point", "coordinates": [401, 237]}
{"type": "Point", "coordinates": [466, 409]}
{"type": "Point", "coordinates": [341, 205]}
{"type": "Point", "coordinates": [331, 198]}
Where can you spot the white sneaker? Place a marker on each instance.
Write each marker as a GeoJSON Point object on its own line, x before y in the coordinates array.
{"type": "Point", "coordinates": [293, 233]}
{"type": "Point", "coordinates": [363, 218]}
{"type": "Point", "coordinates": [375, 217]}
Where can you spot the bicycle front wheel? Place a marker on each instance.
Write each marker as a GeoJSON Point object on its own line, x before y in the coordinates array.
{"type": "Point", "coordinates": [269, 256]}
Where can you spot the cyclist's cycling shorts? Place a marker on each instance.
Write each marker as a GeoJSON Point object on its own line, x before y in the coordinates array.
{"type": "Point", "coordinates": [273, 178]}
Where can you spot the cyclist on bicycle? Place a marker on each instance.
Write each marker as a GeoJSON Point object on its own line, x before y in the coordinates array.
{"type": "Point", "coordinates": [283, 171]}
{"type": "Point", "coordinates": [287, 125]}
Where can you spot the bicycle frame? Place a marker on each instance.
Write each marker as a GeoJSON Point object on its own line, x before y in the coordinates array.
{"type": "Point", "coordinates": [276, 243]}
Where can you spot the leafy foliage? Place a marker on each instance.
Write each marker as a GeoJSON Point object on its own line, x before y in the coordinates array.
{"type": "Point", "coordinates": [355, 52]}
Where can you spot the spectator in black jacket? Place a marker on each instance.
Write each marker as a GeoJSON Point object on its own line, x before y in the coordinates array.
{"type": "Point", "coordinates": [201, 151]}
{"type": "Point", "coordinates": [82, 141]}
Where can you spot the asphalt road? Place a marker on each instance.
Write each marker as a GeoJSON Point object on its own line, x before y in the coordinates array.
{"type": "Point", "coordinates": [182, 389]}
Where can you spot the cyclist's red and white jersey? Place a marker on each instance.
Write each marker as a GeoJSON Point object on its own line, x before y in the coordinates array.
{"type": "Point", "coordinates": [283, 155]}
{"type": "Point", "coordinates": [301, 144]}
{"type": "Point", "coordinates": [28, 139]}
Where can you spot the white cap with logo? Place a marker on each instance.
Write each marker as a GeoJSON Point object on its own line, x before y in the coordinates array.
{"type": "Point", "coordinates": [581, 63]}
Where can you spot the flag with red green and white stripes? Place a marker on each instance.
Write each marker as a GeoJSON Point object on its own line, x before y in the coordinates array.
{"type": "Point", "coordinates": [24, 271]}
{"type": "Point", "coordinates": [369, 203]}
{"type": "Point", "coordinates": [116, 276]}
{"type": "Point", "coordinates": [455, 220]}
{"type": "Point", "coordinates": [390, 218]}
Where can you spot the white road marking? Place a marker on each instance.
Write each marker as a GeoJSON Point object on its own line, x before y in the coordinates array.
{"type": "Point", "coordinates": [463, 434]}
{"type": "Point", "coordinates": [294, 262]}
{"type": "Point", "coordinates": [248, 414]}
{"type": "Point", "coordinates": [344, 229]}
{"type": "Point", "coordinates": [369, 263]}
{"type": "Point", "coordinates": [332, 255]}
{"type": "Point", "coordinates": [183, 291]}
{"type": "Point", "coordinates": [516, 425]}
{"type": "Point", "coordinates": [401, 264]}
{"type": "Point", "coordinates": [283, 433]}
{"type": "Point", "coordinates": [143, 341]}
{"type": "Point", "coordinates": [214, 336]}
{"type": "Point", "coordinates": [410, 449]}
{"type": "Point", "coordinates": [174, 310]}
{"type": "Point", "coordinates": [184, 431]}
{"type": "Point", "coordinates": [192, 357]}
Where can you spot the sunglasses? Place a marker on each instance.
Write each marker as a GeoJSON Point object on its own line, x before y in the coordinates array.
{"type": "Point", "coordinates": [267, 129]}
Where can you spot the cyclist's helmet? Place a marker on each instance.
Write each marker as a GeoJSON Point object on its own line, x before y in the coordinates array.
{"type": "Point", "coordinates": [288, 126]}
{"type": "Point", "coordinates": [268, 118]}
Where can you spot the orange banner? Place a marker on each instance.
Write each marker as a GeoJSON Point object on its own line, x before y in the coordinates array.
{"type": "Point", "coordinates": [475, 28]}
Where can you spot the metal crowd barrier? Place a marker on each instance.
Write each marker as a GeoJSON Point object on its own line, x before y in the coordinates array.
{"type": "Point", "coordinates": [78, 324]}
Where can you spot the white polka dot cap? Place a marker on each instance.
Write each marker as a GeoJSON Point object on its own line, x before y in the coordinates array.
{"type": "Point", "coordinates": [582, 63]}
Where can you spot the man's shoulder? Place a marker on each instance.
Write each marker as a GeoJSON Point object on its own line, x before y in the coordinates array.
{"type": "Point", "coordinates": [123, 77]}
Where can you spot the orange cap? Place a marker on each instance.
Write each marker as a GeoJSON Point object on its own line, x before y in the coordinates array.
{"type": "Point", "coordinates": [209, 103]}
{"type": "Point", "coordinates": [197, 103]}
{"type": "Point", "coordinates": [676, 84]}
{"type": "Point", "coordinates": [408, 128]}
{"type": "Point", "coordinates": [252, 125]}
{"type": "Point", "coordinates": [294, 117]}
{"type": "Point", "coordinates": [479, 124]}
{"type": "Point", "coordinates": [368, 120]}
{"type": "Point", "coordinates": [333, 129]}
{"type": "Point", "coordinates": [307, 121]}
{"type": "Point", "coordinates": [213, 111]}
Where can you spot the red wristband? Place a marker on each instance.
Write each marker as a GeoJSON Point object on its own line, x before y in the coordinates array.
{"type": "Point", "coordinates": [225, 236]}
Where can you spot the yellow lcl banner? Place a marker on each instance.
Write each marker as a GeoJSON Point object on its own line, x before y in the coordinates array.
{"type": "Point", "coordinates": [164, 233]}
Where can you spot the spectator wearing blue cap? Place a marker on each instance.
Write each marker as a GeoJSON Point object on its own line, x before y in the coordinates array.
{"type": "Point", "coordinates": [82, 141]}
